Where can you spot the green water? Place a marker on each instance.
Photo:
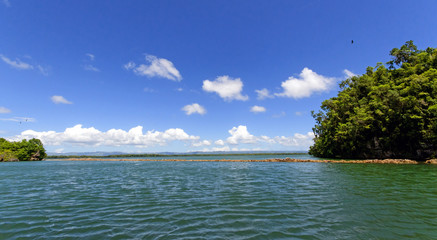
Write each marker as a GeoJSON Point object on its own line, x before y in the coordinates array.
{"type": "Point", "coordinates": [216, 200]}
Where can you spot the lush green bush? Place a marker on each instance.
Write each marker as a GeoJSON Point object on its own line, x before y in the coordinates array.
{"type": "Point", "coordinates": [26, 150]}
{"type": "Point", "coordinates": [389, 112]}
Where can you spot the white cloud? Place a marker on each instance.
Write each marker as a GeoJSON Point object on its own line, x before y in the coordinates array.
{"type": "Point", "coordinates": [90, 56]}
{"type": "Point", "coordinates": [4, 110]}
{"type": "Point", "coordinates": [18, 119]}
{"type": "Point", "coordinates": [301, 140]}
{"type": "Point", "coordinates": [92, 137]}
{"type": "Point", "coordinates": [296, 140]}
{"type": "Point", "coordinates": [18, 64]}
{"type": "Point", "coordinates": [267, 139]}
{"type": "Point", "coordinates": [227, 88]}
{"type": "Point", "coordinates": [60, 99]}
{"type": "Point", "coordinates": [217, 149]}
{"type": "Point", "coordinates": [80, 136]}
{"type": "Point", "coordinates": [240, 135]}
{"type": "Point", "coordinates": [308, 83]}
{"type": "Point", "coordinates": [257, 109]}
{"type": "Point", "coordinates": [158, 67]}
{"type": "Point", "coordinates": [194, 108]}
{"type": "Point", "coordinates": [228, 149]}
{"type": "Point", "coordinates": [201, 143]}
{"type": "Point", "coordinates": [129, 65]}
{"type": "Point", "coordinates": [90, 67]}
{"type": "Point", "coordinates": [263, 94]}
{"type": "Point", "coordinates": [59, 150]}
{"type": "Point", "coordinates": [348, 73]}
{"type": "Point", "coordinates": [298, 113]}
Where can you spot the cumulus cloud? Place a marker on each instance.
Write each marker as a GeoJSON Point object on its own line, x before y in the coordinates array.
{"type": "Point", "coordinates": [308, 83]}
{"type": "Point", "coordinates": [263, 94]}
{"type": "Point", "coordinates": [18, 64]}
{"type": "Point", "coordinates": [217, 149]}
{"type": "Point", "coordinates": [4, 110]}
{"type": "Point", "coordinates": [240, 135]}
{"type": "Point", "coordinates": [60, 100]}
{"type": "Point", "coordinates": [201, 143]}
{"type": "Point", "coordinates": [227, 88]}
{"type": "Point", "coordinates": [296, 140]}
{"type": "Point", "coordinates": [80, 136]}
{"type": "Point", "coordinates": [257, 109]}
{"type": "Point", "coordinates": [194, 108]}
{"type": "Point", "coordinates": [157, 67]}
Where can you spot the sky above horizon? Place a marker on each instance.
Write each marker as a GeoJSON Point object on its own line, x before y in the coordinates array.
{"type": "Point", "coordinates": [182, 76]}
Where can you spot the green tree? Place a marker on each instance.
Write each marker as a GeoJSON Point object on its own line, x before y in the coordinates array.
{"type": "Point", "coordinates": [32, 150]}
{"type": "Point", "coordinates": [385, 113]}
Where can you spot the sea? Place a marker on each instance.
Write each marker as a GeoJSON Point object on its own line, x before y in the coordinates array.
{"type": "Point", "coordinates": [216, 200]}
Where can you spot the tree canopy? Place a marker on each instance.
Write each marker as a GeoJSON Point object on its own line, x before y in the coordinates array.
{"type": "Point", "coordinates": [388, 112]}
{"type": "Point", "coordinates": [26, 150]}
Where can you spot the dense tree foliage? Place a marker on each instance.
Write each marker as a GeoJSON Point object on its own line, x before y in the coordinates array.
{"type": "Point", "coordinates": [32, 150]}
{"type": "Point", "coordinates": [388, 112]}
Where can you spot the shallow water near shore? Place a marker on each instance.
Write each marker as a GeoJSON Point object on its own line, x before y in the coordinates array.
{"type": "Point", "coordinates": [216, 200]}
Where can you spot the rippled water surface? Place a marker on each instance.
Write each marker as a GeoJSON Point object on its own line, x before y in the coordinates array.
{"type": "Point", "coordinates": [216, 200]}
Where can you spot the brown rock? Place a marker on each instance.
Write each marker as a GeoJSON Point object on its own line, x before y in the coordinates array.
{"type": "Point", "coordinates": [431, 161]}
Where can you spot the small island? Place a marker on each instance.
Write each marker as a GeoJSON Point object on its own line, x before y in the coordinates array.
{"type": "Point", "coordinates": [388, 112]}
{"type": "Point", "coordinates": [25, 150]}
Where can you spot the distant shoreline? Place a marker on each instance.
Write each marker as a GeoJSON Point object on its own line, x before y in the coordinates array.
{"type": "Point", "coordinates": [177, 155]}
{"type": "Point", "coordinates": [372, 161]}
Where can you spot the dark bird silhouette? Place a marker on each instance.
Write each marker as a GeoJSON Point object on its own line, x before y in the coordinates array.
{"type": "Point", "coordinates": [352, 41]}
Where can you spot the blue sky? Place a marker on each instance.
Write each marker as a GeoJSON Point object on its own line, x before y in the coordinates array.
{"type": "Point", "coordinates": [152, 76]}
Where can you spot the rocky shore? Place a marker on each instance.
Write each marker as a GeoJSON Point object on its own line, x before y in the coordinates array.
{"type": "Point", "coordinates": [372, 161]}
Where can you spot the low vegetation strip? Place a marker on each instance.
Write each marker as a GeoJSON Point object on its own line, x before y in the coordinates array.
{"type": "Point", "coordinates": [373, 161]}
{"type": "Point", "coordinates": [174, 155]}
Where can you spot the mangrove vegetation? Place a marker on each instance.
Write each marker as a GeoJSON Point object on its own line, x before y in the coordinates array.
{"type": "Point", "coordinates": [25, 150]}
{"type": "Point", "coordinates": [388, 112]}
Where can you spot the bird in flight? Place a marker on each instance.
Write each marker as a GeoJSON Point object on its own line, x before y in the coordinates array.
{"type": "Point", "coordinates": [352, 41]}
